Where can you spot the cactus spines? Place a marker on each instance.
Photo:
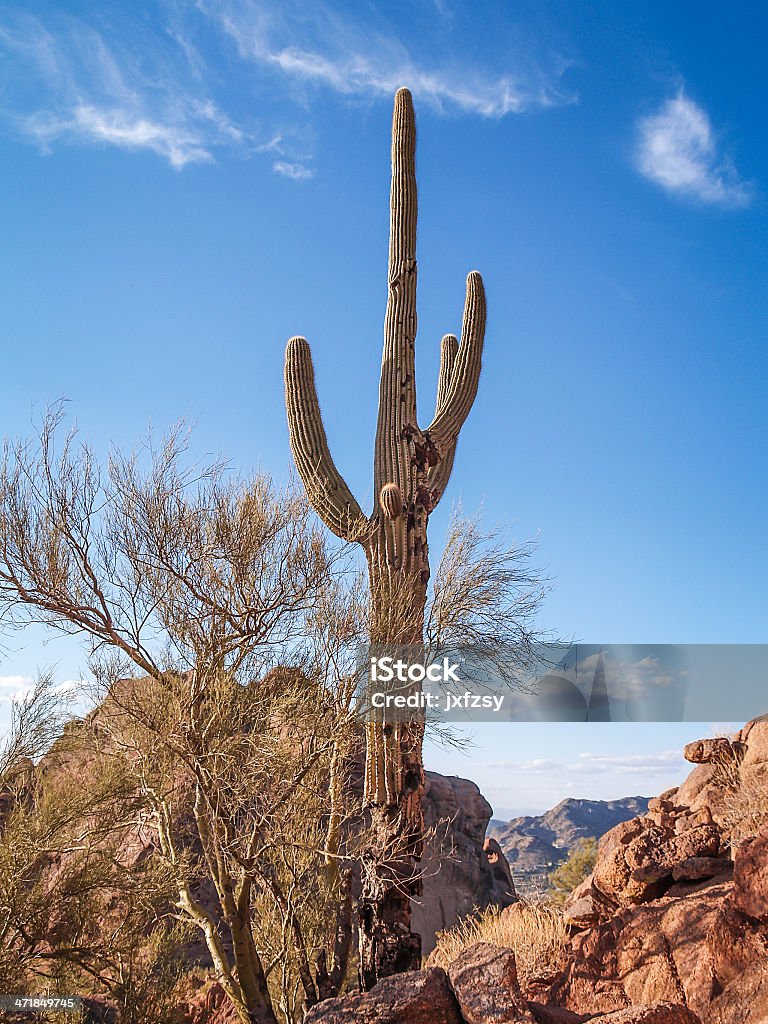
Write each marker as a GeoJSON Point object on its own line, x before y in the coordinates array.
{"type": "Point", "coordinates": [411, 467]}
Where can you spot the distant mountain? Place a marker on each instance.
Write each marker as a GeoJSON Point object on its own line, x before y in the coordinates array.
{"type": "Point", "coordinates": [536, 844]}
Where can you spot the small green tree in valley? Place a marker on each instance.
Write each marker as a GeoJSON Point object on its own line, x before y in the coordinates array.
{"type": "Point", "coordinates": [581, 860]}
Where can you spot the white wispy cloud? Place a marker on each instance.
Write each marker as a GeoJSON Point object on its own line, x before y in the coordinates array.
{"type": "Point", "coordinates": [678, 149]}
{"type": "Point", "coordinates": [15, 688]}
{"type": "Point", "coordinates": [193, 81]}
{"type": "Point", "coordinates": [65, 80]}
{"type": "Point", "coordinates": [665, 762]}
{"type": "Point", "coordinates": [15, 682]}
{"type": "Point", "coordinates": [649, 765]}
{"type": "Point", "coordinates": [317, 45]}
{"type": "Point", "coordinates": [295, 171]}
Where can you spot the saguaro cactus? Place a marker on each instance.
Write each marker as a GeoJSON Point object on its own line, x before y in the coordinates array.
{"type": "Point", "coordinates": [411, 469]}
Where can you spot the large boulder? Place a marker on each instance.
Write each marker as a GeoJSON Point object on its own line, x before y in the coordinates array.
{"type": "Point", "coordinates": [654, 953]}
{"type": "Point", "coordinates": [702, 775]}
{"type": "Point", "coordinates": [484, 981]}
{"type": "Point", "coordinates": [750, 877]}
{"type": "Point", "coordinates": [745, 1000]}
{"type": "Point", "coordinates": [637, 859]}
{"type": "Point", "coordinates": [418, 997]}
{"type": "Point", "coordinates": [754, 736]}
{"type": "Point", "coordinates": [459, 875]}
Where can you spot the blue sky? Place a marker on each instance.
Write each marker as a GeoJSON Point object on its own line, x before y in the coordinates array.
{"type": "Point", "coordinates": [185, 185]}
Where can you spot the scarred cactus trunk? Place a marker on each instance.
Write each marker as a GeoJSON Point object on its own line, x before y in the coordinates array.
{"type": "Point", "coordinates": [411, 470]}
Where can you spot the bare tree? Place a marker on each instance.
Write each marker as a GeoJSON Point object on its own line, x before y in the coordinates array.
{"type": "Point", "coordinates": [209, 586]}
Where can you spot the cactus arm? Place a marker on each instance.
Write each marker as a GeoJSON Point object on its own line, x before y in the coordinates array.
{"type": "Point", "coordinates": [397, 387]}
{"type": "Point", "coordinates": [449, 348]}
{"type": "Point", "coordinates": [439, 475]}
{"type": "Point", "coordinates": [327, 492]}
{"type": "Point", "coordinates": [447, 423]}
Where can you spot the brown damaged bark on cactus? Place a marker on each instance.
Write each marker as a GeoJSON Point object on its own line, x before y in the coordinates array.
{"type": "Point", "coordinates": [411, 470]}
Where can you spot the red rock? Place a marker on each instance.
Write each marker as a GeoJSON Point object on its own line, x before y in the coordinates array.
{"type": "Point", "coordinates": [750, 877]}
{"type": "Point", "coordinates": [695, 869]}
{"type": "Point", "coordinates": [745, 1000]}
{"type": "Point", "coordinates": [654, 953]}
{"type": "Point", "coordinates": [484, 981]}
{"type": "Point", "coordinates": [636, 862]}
{"type": "Point", "coordinates": [555, 1014]}
{"type": "Point", "coordinates": [660, 1013]}
{"type": "Point", "coordinates": [418, 997]}
{"type": "Point", "coordinates": [582, 912]}
{"type": "Point", "coordinates": [755, 736]}
{"type": "Point", "coordinates": [734, 943]}
{"type": "Point", "coordinates": [700, 777]}
{"type": "Point", "coordinates": [710, 751]}
{"type": "Point", "coordinates": [210, 1006]}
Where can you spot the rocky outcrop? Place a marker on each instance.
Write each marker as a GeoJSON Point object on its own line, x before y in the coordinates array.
{"type": "Point", "coordinates": [420, 997]}
{"type": "Point", "coordinates": [676, 909]}
{"type": "Point", "coordinates": [459, 874]}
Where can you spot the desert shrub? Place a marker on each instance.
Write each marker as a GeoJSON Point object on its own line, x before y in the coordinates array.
{"type": "Point", "coordinates": [745, 811]}
{"type": "Point", "coordinates": [534, 929]}
{"type": "Point", "coordinates": [572, 872]}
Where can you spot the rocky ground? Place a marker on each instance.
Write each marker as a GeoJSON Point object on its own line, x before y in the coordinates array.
{"type": "Point", "coordinates": [671, 928]}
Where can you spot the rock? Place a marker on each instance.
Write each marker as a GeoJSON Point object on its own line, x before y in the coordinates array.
{"type": "Point", "coordinates": [210, 1006]}
{"type": "Point", "coordinates": [659, 1013]}
{"type": "Point", "coordinates": [582, 913]}
{"type": "Point", "coordinates": [555, 1014]}
{"type": "Point", "coordinates": [658, 803]}
{"type": "Point", "coordinates": [700, 777]}
{"type": "Point", "coordinates": [658, 952]}
{"type": "Point", "coordinates": [500, 868]}
{"type": "Point", "coordinates": [458, 875]}
{"type": "Point", "coordinates": [745, 1000]}
{"type": "Point", "coordinates": [735, 943]}
{"type": "Point", "coordinates": [418, 997]}
{"type": "Point", "coordinates": [712, 751]}
{"type": "Point", "coordinates": [699, 841]}
{"type": "Point", "coordinates": [484, 981]}
{"type": "Point", "coordinates": [694, 869]}
{"type": "Point", "coordinates": [669, 794]}
{"type": "Point", "coordinates": [611, 875]}
{"type": "Point", "coordinates": [755, 736]}
{"type": "Point", "coordinates": [636, 861]}
{"type": "Point", "coordinates": [750, 877]}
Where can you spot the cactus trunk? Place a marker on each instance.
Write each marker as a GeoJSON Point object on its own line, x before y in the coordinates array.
{"type": "Point", "coordinates": [411, 470]}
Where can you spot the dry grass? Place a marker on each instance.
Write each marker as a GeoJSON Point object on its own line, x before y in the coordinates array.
{"type": "Point", "coordinates": [746, 811]}
{"type": "Point", "coordinates": [534, 929]}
